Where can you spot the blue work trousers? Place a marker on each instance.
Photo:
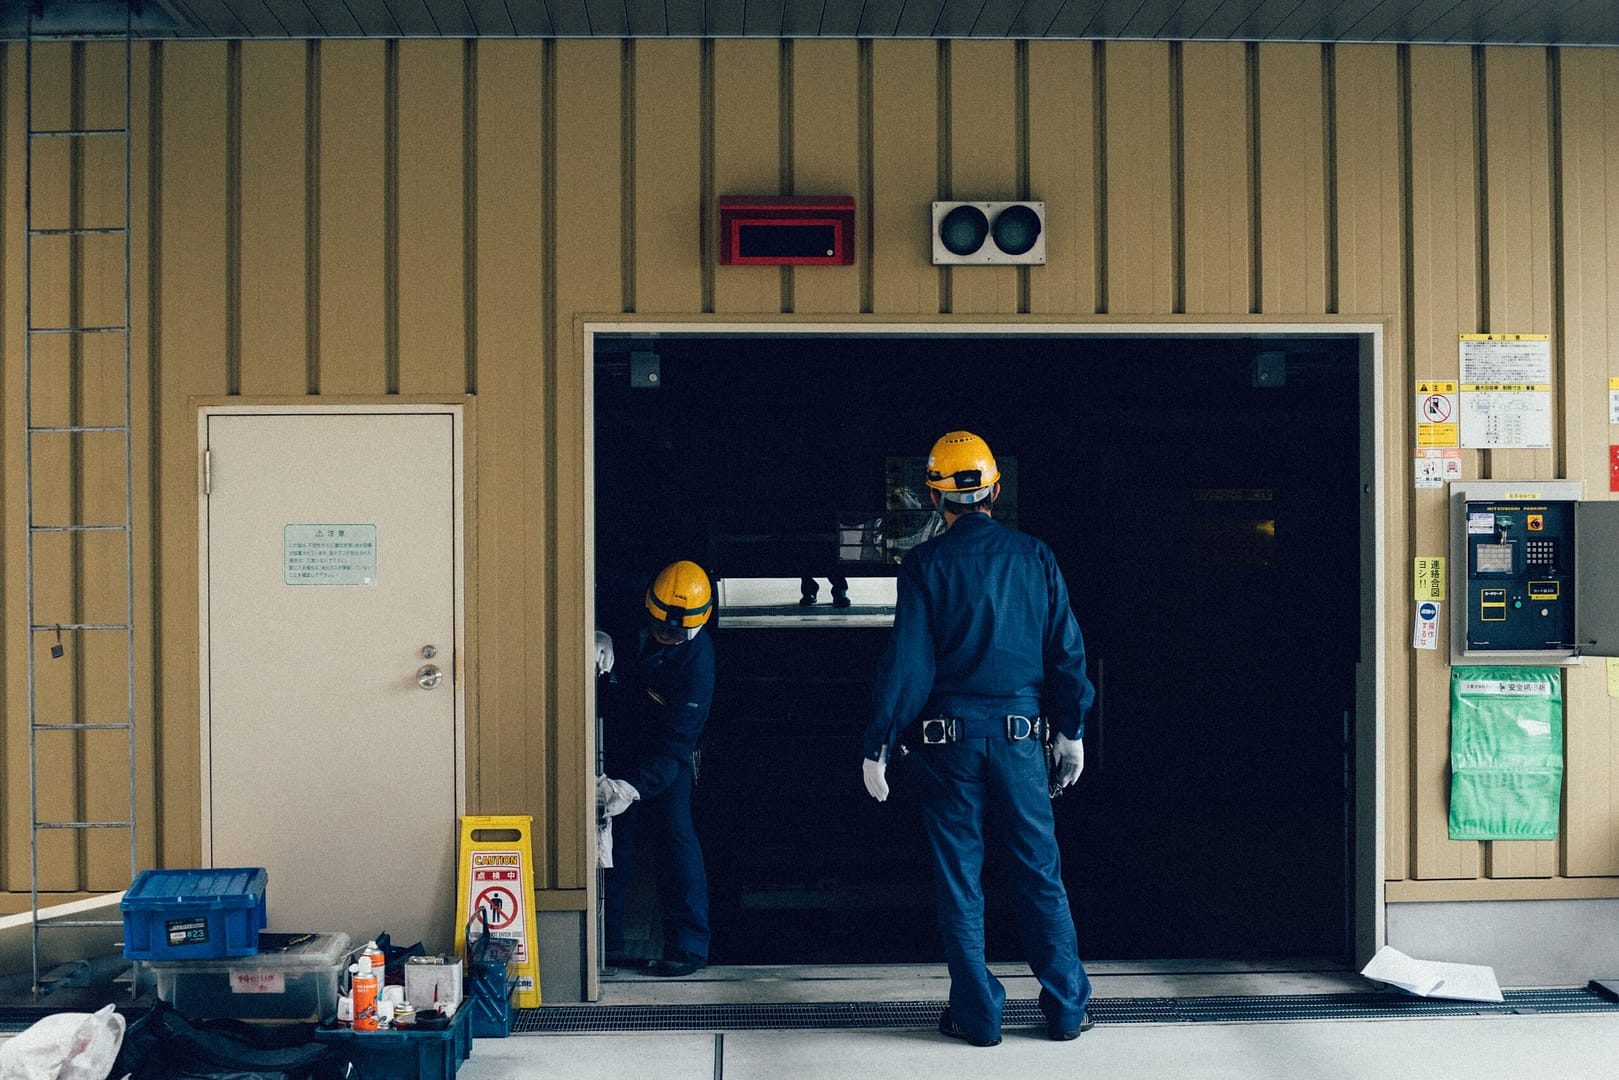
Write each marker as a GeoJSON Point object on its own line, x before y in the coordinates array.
{"type": "Point", "coordinates": [666, 821]}
{"type": "Point", "coordinates": [998, 785]}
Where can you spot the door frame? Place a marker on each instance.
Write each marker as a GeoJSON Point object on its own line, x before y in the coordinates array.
{"type": "Point", "coordinates": [460, 669]}
{"type": "Point", "coordinates": [1368, 932]}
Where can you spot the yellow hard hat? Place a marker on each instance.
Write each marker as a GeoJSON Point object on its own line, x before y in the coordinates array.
{"type": "Point", "coordinates": [961, 468]}
{"type": "Point", "coordinates": [681, 597]}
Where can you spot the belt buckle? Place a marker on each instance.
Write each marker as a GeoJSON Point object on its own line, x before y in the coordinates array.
{"type": "Point", "coordinates": [1015, 723]}
{"type": "Point", "coordinates": [936, 730]}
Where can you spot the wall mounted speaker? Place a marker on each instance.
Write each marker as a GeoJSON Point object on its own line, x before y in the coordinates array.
{"type": "Point", "coordinates": [989, 233]}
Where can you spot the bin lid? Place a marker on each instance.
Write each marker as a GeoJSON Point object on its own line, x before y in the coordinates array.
{"type": "Point", "coordinates": [227, 887]}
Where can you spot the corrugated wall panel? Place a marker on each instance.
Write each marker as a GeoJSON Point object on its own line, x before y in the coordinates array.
{"type": "Point", "coordinates": [1370, 277]}
{"type": "Point", "coordinates": [1444, 292]}
{"type": "Point", "coordinates": [189, 307]}
{"type": "Point", "coordinates": [505, 735]}
{"type": "Point", "coordinates": [433, 217]}
{"type": "Point", "coordinates": [588, 166]}
{"type": "Point", "coordinates": [269, 199]}
{"type": "Point", "coordinates": [1292, 193]}
{"type": "Point", "coordinates": [747, 157]}
{"type": "Point", "coordinates": [905, 175]}
{"type": "Point", "coordinates": [1216, 180]}
{"type": "Point", "coordinates": [430, 224]}
{"type": "Point", "coordinates": [351, 182]}
{"type": "Point", "coordinates": [826, 159]}
{"type": "Point", "coordinates": [982, 106]}
{"type": "Point", "coordinates": [1588, 123]}
{"type": "Point", "coordinates": [1062, 173]}
{"type": "Point", "coordinates": [1138, 260]}
{"type": "Point", "coordinates": [1518, 258]}
{"type": "Point", "coordinates": [667, 244]}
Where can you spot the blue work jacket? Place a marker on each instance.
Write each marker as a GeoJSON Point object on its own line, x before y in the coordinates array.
{"type": "Point", "coordinates": [982, 628]}
{"type": "Point", "coordinates": [658, 706]}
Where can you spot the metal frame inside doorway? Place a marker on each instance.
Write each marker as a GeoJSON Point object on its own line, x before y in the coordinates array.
{"type": "Point", "coordinates": [1368, 931]}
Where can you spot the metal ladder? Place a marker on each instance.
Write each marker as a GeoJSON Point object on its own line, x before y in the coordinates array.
{"type": "Point", "coordinates": [73, 434]}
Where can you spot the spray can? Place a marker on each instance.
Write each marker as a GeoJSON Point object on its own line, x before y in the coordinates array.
{"type": "Point", "coordinates": [379, 963]}
{"type": "Point", "coordinates": [363, 987]}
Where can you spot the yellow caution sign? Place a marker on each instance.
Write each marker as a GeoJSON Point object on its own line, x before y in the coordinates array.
{"type": "Point", "coordinates": [497, 876]}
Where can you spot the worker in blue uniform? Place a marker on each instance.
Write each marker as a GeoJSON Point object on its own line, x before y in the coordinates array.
{"type": "Point", "coordinates": [654, 709]}
{"type": "Point", "coordinates": [984, 664]}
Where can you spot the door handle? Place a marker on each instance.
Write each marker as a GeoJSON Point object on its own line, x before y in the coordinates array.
{"type": "Point", "coordinates": [429, 676]}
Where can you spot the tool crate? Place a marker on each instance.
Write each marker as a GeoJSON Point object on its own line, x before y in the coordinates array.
{"type": "Point", "coordinates": [194, 914]}
{"type": "Point", "coordinates": [402, 1053]}
{"type": "Point", "coordinates": [491, 981]}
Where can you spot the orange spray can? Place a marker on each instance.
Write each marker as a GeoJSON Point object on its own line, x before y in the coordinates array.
{"type": "Point", "coordinates": [364, 989]}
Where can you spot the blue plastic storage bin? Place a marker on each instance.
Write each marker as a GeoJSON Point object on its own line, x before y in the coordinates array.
{"type": "Point", "coordinates": [403, 1054]}
{"type": "Point", "coordinates": [194, 914]}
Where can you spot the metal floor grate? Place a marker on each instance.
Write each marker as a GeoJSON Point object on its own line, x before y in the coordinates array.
{"type": "Point", "coordinates": [566, 1019]}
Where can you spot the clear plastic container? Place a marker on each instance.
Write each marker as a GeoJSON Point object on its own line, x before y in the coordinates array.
{"type": "Point", "coordinates": [296, 983]}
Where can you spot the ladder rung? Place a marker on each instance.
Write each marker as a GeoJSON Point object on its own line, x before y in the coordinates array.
{"type": "Point", "coordinates": [76, 528]}
{"type": "Point", "coordinates": [73, 133]}
{"type": "Point", "coordinates": [49, 628]}
{"type": "Point", "coordinates": [84, 824]}
{"type": "Point", "coordinates": [82, 727]}
{"type": "Point", "coordinates": [54, 923]}
{"type": "Point", "coordinates": [85, 230]}
{"type": "Point", "coordinates": [80, 427]}
{"type": "Point", "coordinates": [78, 329]}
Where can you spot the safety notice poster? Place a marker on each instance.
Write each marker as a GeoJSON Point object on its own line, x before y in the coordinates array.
{"type": "Point", "coordinates": [1506, 398]}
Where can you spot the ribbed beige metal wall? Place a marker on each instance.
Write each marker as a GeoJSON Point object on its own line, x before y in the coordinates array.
{"type": "Point", "coordinates": [348, 218]}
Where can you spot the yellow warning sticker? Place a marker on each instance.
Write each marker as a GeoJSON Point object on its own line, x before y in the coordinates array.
{"type": "Point", "coordinates": [1429, 575]}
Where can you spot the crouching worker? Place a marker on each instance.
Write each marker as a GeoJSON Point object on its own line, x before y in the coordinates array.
{"type": "Point", "coordinates": [653, 710]}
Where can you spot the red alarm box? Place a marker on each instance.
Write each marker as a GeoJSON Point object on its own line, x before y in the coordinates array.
{"type": "Point", "coordinates": [786, 230]}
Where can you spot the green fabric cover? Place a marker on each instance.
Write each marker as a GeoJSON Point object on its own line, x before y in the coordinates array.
{"type": "Point", "coordinates": [1506, 753]}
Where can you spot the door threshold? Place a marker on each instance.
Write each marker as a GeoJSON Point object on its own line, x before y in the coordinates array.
{"type": "Point", "coordinates": [724, 984]}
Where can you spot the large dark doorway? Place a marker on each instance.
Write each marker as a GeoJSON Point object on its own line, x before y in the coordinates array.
{"type": "Point", "coordinates": [1203, 502]}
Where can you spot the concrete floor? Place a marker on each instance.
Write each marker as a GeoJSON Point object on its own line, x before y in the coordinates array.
{"type": "Point", "coordinates": [1464, 1048]}
{"type": "Point", "coordinates": [1520, 1047]}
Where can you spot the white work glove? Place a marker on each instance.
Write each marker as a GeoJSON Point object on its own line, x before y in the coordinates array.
{"type": "Point", "coordinates": [613, 797]}
{"type": "Point", "coordinates": [604, 653]}
{"type": "Point", "coordinates": [1070, 755]}
{"type": "Point", "coordinates": [875, 773]}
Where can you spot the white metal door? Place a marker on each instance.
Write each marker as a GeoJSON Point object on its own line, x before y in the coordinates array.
{"type": "Point", "coordinates": [331, 597]}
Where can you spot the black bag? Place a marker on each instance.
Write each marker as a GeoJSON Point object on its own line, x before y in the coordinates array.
{"type": "Point", "coordinates": [163, 1045]}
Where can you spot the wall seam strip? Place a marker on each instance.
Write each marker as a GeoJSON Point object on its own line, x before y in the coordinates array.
{"type": "Point", "coordinates": [154, 434]}
{"type": "Point", "coordinates": [866, 153]}
{"type": "Point", "coordinates": [1408, 346]}
{"type": "Point", "coordinates": [390, 216]}
{"type": "Point", "coordinates": [1256, 201]}
{"type": "Point", "coordinates": [548, 388]}
{"type": "Point", "coordinates": [1099, 165]}
{"type": "Point", "coordinates": [1329, 169]}
{"type": "Point", "coordinates": [784, 143]}
{"type": "Point", "coordinates": [942, 173]}
{"type": "Point", "coordinates": [705, 179]}
{"type": "Point", "coordinates": [469, 212]}
{"type": "Point", "coordinates": [233, 217]}
{"type": "Point", "coordinates": [1177, 176]}
{"type": "Point", "coordinates": [1020, 114]}
{"type": "Point", "coordinates": [312, 217]}
{"type": "Point", "coordinates": [1554, 106]}
{"type": "Point", "coordinates": [627, 165]}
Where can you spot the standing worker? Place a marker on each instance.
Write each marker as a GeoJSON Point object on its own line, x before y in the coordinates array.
{"type": "Point", "coordinates": [985, 661]}
{"type": "Point", "coordinates": [654, 712]}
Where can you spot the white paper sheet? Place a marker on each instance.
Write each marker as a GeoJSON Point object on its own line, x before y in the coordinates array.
{"type": "Point", "coordinates": [1432, 978]}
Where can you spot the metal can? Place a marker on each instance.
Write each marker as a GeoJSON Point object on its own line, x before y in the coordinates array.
{"type": "Point", "coordinates": [404, 1015]}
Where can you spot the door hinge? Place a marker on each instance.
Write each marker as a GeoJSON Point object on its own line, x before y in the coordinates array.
{"type": "Point", "coordinates": [207, 472]}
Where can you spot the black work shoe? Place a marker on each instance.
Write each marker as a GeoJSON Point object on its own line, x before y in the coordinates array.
{"type": "Point", "coordinates": [623, 961]}
{"type": "Point", "coordinates": [1058, 1034]}
{"type": "Point", "coordinates": [679, 965]}
{"type": "Point", "coordinates": [948, 1026]}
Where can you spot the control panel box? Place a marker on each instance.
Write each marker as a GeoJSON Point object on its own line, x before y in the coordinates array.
{"type": "Point", "coordinates": [1514, 570]}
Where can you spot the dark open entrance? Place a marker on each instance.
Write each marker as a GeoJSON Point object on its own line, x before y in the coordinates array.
{"type": "Point", "coordinates": [1201, 494]}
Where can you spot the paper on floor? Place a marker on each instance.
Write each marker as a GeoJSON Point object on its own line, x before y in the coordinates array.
{"type": "Point", "coordinates": [1431, 978]}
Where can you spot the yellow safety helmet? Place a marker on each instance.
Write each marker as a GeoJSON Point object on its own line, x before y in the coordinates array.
{"type": "Point", "coordinates": [681, 598]}
{"type": "Point", "coordinates": [961, 468]}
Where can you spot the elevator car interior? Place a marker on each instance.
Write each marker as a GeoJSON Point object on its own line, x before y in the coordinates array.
{"type": "Point", "coordinates": [1201, 493]}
